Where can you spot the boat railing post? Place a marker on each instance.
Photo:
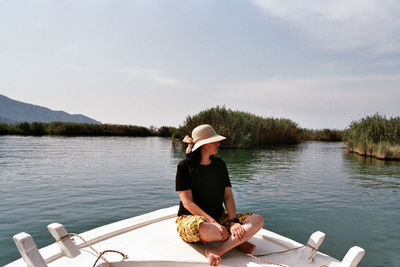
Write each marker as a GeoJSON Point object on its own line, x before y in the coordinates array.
{"type": "Point", "coordinates": [64, 241]}
{"type": "Point", "coordinates": [28, 250]}
{"type": "Point", "coordinates": [312, 245]}
{"type": "Point", "coordinates": [352, 257]}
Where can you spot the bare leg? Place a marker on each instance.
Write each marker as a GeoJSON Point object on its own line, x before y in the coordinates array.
{"type": "Point", "coordinates": [209, 232]}
{"type": "Point", "coordinates": [252, 224]}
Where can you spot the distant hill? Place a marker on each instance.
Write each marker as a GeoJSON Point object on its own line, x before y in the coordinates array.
{"type": "Point", "coordinates": [7, 121]}
{"type": "Point", "coordinates": [12, 111]}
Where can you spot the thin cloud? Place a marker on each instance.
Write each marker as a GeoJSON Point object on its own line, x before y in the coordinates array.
{"type": "Point", "coordinates": [341, 24]}
{"type": "Point", "coordinates": [74, 68]}
{"type": "Point", "coordinates": [317, 102]}
{"type": "Point", "coordinates": [71, 48]}
{"type": "Point", "coordinates": [152, 76]}
{"type": "Point", "coordinates": [363, 93]}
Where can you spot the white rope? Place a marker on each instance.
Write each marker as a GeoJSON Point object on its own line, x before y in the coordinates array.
{"type": "Point", "coordinates": [100, 254]}
{"type": "Point", "coordinates": [257, 257]}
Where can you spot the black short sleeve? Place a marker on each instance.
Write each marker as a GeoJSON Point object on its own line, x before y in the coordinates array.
{"type": "Point", "coordinates": [227, 180]}
{"type": "Point", "coordinates": [182, 179]}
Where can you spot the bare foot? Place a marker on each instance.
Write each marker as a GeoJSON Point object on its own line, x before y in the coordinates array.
{"type": "Point", "coordinates": [247, 247]}
{"type": "Point", "coordinates": [213, 259]}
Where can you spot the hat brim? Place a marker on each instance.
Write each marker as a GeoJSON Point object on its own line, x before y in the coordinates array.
{"type": "Point", "coordinates": [212, 139]}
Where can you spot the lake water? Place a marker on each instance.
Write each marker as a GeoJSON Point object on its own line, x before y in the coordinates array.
{"type": "Point", "coordinates": [86, 182]}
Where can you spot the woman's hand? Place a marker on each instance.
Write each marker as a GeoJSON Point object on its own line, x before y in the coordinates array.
{"type": "Point", "coordinates": [237, 230]}
{"type": "Point", "coordinates": [224, 232]}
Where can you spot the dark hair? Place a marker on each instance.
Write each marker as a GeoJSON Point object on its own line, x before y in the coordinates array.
{"type": "Point", "coordinates": [193, 159]}
{"type": "Point", "coordinates": [194, 155]}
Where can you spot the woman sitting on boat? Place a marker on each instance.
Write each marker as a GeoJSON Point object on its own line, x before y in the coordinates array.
{"type": "Point", "coordinates": [203, 184]}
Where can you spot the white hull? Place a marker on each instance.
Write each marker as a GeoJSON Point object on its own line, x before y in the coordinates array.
{"type": "Point", "coordinates": [151, 239]}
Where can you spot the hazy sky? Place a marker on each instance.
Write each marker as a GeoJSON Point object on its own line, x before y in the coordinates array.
{"type": "Point", "coordinates": [319, 63]}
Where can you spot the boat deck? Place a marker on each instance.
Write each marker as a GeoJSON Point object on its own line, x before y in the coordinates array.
{"type": "Point", "coordinates": [152, 239]}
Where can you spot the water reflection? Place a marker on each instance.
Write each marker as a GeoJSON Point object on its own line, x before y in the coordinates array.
{"type": "Point", "coordinates": [371, 161]}
{"type": "Point", "coordinates": [370, 172]}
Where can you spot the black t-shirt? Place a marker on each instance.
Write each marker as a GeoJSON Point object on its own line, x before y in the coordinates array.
{"type": "Point", "coordinates": [207, 183]}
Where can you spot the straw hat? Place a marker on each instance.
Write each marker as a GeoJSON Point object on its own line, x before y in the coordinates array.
{"type": "Point", "coordinates": [201, 135]}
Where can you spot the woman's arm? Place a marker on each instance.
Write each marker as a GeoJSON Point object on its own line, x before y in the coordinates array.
{"type": "Point", "coordinates": [187, 201]}
{"type": "Point", "coordinates": [236, 229]}
{"type": "Point", "coordinates": [229, 202]}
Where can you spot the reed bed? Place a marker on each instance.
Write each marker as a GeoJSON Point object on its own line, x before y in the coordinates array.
{"type": "Point", "coordinates": [81, 129]}
{"type": "Point", "coordinates": [243, 129]}
{"type": "Point", "coordinates": [325, 135]}
{"type": "Point", "coordinates": [375, 136]}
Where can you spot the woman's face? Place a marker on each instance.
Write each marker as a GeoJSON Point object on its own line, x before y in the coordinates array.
{"type": "Point", "coordinates": [211, 148]}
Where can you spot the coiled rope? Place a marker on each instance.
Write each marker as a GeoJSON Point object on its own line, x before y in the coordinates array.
{"type": "Point", "coordinates": [100, 254]}
{"type": "Point", "coordinates": [257, 257]}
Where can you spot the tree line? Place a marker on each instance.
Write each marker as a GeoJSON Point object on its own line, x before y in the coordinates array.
{"type": "Point", "coordinates": [372, 136]}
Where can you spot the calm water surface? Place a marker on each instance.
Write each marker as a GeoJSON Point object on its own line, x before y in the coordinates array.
{"type": "Point", "coordinates": [86, 182]}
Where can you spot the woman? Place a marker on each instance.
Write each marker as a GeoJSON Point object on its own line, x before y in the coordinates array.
{"type": "Point", "coordinates": [203, 185]}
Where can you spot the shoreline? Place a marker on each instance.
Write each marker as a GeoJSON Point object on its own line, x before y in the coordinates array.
{"type": "Point", "coordinates": [374, 153]}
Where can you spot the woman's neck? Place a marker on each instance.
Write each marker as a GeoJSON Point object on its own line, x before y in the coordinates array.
{"type": "Point", "coordinates": [205, 159]}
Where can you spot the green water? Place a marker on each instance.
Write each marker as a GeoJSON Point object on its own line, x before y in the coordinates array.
{"type": "Point", "coordinates": [86, 182]}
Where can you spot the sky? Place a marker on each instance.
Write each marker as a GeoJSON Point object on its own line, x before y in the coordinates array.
{"type": "Point", "coordinates": [322, 64]}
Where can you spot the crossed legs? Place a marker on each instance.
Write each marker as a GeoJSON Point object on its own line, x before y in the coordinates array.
{"type": "Point", "coordinates": [210, 233]}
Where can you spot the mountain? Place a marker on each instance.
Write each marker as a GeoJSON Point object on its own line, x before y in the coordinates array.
{"type": "Point", "coordinates": [7, 121]}
{"type": "Point", "coordinates": [12, 111]}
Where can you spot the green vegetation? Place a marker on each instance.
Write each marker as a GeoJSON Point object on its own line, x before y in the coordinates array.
{"type": "Point", "coordinates": [81, 129]}
{"type": "Point", "coordinates": [327, 135]}
{"type": "Point", "coordinates": [375, 136]}
{"type": "Point", "coordinates": [243, 129]}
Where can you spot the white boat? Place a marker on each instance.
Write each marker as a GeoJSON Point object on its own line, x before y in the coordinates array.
{"type": "Point", "coordinates": [152, 240]}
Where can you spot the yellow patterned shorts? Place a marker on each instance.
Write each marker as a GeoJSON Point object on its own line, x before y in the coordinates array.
{"type": "Point", "coordinates": [188, 225]}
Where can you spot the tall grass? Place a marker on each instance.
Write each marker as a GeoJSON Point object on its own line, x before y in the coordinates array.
{"type": "Point", "coordinates": [375, 136]}
{"type": "Point", "coordinates": [243, 129]}
{"type": "Point", "coordinates": [326, 135]}
{"type": "Point", "coordinates": [81, 129]}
